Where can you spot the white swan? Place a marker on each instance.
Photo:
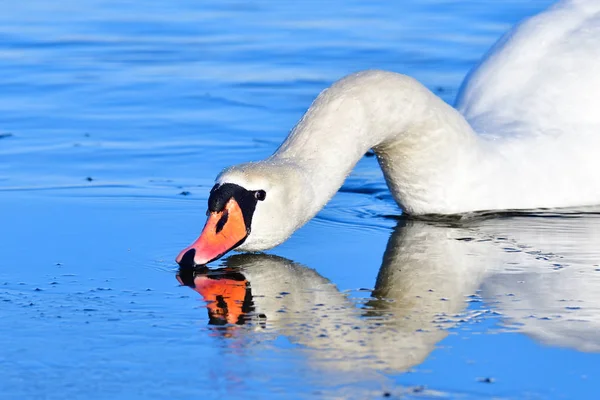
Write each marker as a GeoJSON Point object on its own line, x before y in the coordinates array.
{"type": "Point", "coordinates": [525, 134]}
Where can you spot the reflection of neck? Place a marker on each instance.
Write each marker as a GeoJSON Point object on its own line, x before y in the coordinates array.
{"type": "Point", "coordinates": [426, 273]}
{"type": "Point", "coordinates": [415, 291]}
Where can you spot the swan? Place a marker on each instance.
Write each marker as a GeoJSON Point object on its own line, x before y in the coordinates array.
{"type": "Point", "coordinates": [524, 135]}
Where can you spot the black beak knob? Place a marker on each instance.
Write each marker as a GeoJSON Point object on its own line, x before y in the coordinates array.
{"type": "Point", "coordinates": [187, 261]}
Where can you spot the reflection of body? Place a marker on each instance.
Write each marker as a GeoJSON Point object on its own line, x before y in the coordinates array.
{"type": "Point", "coordinates": [531, 269]}
{"type": "Point", "coordinates": [548, 283]}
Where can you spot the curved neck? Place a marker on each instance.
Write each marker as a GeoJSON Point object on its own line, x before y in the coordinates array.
{"type": "Point", "coordinates": [429, 142]}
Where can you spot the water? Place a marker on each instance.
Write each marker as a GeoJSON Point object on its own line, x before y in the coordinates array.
{"type": "Point", "coordinates": [115, 117]}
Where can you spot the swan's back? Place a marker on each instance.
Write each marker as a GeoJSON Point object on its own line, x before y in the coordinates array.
{"type": "Point", "coordinates": [541, 78]}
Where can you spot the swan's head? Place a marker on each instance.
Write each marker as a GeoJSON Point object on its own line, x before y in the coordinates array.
{"type": "Point", "coordinates": [252, 207]}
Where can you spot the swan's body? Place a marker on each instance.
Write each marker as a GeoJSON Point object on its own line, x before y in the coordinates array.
{"type": "Point", "coordinates": [526, 135]}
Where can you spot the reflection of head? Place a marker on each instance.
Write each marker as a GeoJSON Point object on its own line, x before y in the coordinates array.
{"type": "Point", "coordinates": [226, 292]}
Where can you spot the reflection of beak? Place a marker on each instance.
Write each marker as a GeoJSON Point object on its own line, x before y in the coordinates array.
{"type": "Point", "coordinates": [224, 297]}
{"type": "Point", "coordinates": [226, 292]}
{"type": "Point", "coordinates": [223, 231]}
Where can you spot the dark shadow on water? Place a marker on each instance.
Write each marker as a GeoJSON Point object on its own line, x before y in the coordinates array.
{"type": "Point", "coordinates": [475, 216]}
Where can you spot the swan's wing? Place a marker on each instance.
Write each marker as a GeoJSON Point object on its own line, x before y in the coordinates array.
{"type": "Point", "coordinates": [543, 77]}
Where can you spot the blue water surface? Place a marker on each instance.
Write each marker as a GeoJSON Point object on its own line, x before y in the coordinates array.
{"type": "Point", "coordinates": [115, 117]}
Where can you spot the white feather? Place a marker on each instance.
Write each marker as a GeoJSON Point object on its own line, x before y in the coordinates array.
{"type": "Point", "coordinates": [526, 134]}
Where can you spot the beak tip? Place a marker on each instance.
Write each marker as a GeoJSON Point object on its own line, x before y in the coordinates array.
{"type": "Point", "coordinates": [186, 258]}
{"type": "Point", "coordinates": [191, 258]}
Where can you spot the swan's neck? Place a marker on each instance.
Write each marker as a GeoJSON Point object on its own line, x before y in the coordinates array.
{"type": "Point", "coordinates": [423, 145]}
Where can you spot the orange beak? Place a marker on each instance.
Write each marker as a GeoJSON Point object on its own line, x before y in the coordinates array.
{"type": "Point", "coordinates": [223, 231]}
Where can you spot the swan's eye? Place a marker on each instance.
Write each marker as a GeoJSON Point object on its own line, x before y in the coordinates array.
{"type": "Point", "coordinates": [260, 195]}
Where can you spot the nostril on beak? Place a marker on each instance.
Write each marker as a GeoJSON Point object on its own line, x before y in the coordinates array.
{"type": "Point", "coordinates": [188, 259]}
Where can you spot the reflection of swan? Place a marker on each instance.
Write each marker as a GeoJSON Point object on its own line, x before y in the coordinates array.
{"type": "Point", "coordinates": [540, 272]}
{"type": "Point", "coordinates": [525, 136]}
{"type": "Point", "coordinates": [421, 286]}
